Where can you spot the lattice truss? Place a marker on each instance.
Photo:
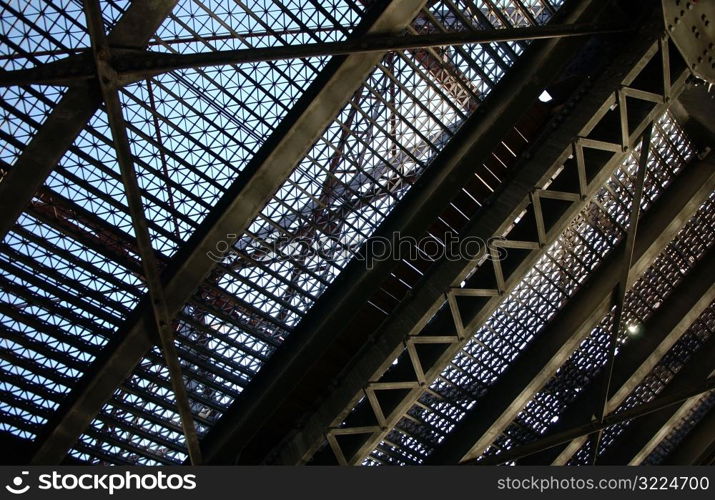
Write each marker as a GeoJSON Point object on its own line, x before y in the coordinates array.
{"type": "Point", "coordinates": [528, 309]}
{"type": "Point", "coordinates": [71, 273]}
{"type": "Point", "coordinates": [450, 359]}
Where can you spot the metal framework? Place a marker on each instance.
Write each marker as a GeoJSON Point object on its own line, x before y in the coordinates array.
{"type": "Point", "coordinates": [452, 274]}
{"type": "Point", "coordinates": [636, 360]}
{"type": "Point", "coordinates": [192, 192]}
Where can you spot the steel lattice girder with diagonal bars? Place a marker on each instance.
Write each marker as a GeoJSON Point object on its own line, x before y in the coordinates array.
{"type": "Point", "coordinates": [438, 286]}
{"type": "Point", "coordinates": [248, 195]}
{"type": "Point", "coordinates": [309, 354]}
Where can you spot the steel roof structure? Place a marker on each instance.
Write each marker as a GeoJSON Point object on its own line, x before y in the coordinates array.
{"type": "Point", "coordinates": [228, 232]}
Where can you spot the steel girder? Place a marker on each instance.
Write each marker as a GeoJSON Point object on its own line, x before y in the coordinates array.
{"type": "Point", "coordinates": [433, 191]}
{"type": "Point", "coordinates": [442, 284]}
{"type": "Point", "coordinates": [698, 446]}
{"type": "Point", "coordinates": [132, 65]}
{"type": "Point", "coordinates": [635, 361]}
{"type": "Point", "coordinates": [71, 114]}
{"type": "Point", "coordinates": [231, 215]}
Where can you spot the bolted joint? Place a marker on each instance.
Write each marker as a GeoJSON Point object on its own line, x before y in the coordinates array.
{"type": "Point", "coordinates": [107, 75]}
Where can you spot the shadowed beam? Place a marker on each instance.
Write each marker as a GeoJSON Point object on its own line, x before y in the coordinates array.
{"type": "Point", "coordinates": [552, 347]}
{"type": "Point", "coordinates": [150, 266]}
{"type": "Point", "coordinates": [261, 178]}
{"type": "Point", "coordinates": [638, 441]}
{"type": "Point", "coordinates": [71, 114]}
{"type": "Point", "coordinates": [619, 297]}
{"type": "Point", "coordinates": [661, 403]}
{"type": "Point", "coordinates": [635, 361]}
{"type": "Point", "coordinates": [698, 446]}
{"type": "Point", "coordinates": [133, 65]}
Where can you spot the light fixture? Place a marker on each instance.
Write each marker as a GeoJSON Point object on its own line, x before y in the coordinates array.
{"type": "Point", "coordinates": [545, 96]}
{"type": "Point", "coordinates": [633, 329]}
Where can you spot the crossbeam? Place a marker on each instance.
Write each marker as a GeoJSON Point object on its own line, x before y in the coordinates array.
{"type": "Point", "coordinates": [132, 65]}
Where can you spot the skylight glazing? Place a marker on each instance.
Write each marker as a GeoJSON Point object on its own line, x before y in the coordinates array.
{"type": "Point", "coordinates": [410, 105]}
{"type": "Point", "coordinates": [77, 234]}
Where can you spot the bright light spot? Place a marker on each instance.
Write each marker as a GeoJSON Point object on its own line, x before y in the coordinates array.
{"type": "Point", "coordinates": [461, 285]}
{"type": "Point", "coordinates": [634, 329]}
{"type": "Point", "coordinates": [545, 97]}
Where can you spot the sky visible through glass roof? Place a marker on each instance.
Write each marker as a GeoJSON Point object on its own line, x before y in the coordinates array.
{"type": "Point", "coordinates": [70, 273]}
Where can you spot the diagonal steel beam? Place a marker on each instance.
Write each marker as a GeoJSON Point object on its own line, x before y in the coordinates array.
{"type": "Point", "coordinates": [232, 214]}
{"type": "Point", "coordinates": [635, 361]}
{"type": "Point", "coordinates": [409, 319]}
{"type": "Point", "coordinates": [109, 86]}
{"type": "Point", "coordinates": [698, 446]}
{"type": "Point", "coordinates": [71, 114]}
{"type": "Point", "coordinates": [319, 336]}
{"type": "Point", "coordinates": [638, 441]}
{"type": "Point", "coordinates": [132, 65]}
{"type": "Point", "coordinates": [619, 296]}
{"type": "Point", "coordinates": [553, 346]}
